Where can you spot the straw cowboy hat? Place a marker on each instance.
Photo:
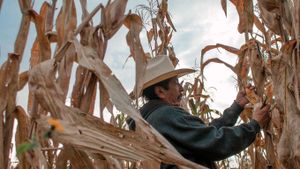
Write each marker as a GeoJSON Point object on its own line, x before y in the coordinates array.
{"type": "Point", "coordinates": [161, 68]}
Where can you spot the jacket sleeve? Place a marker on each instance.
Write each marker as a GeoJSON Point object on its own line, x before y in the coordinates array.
{"type": "Point", "coordinates": [193, 138]}
{"type": "Point", "coordinates": [229, 117]}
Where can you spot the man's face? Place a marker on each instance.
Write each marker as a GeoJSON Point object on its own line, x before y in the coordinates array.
{"type": "Point", "coordinates": [174, 94]}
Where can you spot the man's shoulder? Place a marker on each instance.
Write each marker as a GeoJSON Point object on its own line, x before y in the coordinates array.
{"type": "Point", "coordinates": [169, 111]}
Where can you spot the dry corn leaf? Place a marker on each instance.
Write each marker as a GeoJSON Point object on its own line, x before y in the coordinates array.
{"type": "Point", "coordinates": [270, 147]}
{"type": "Point", "coordinates": [224, 6]}
{"type": "Point", "coordinates": [85, 12]}
{"type": "Point", "coordinates": [269, 92]}
{"type": "Point", "coordinates": [8, 92]}
{"type": "Point", "coordinates": [35, 54]}
{"type": "Point", "coordinates": [150, 35]}
{"type": "Point", "coordinates": [227, 48]}
{"type": "Point", "coordinates": [22, 36]}
{"type": "Point", "coordinates": [242, 67]}
{"type": "Point", "coordinates": [134, 23]}
{"type": "Point", "coordinates": [112, 17]}
{"type": "Point", "coordinates": [88, 98]}
{"type": "Point", "coordinates": [269, 17]}
{"type": "Point", "coordinates": [104, 100]}
{"type": "Point", "coordinates": [260, 161]}
{"type": "Point", "coordinates": [65, 69]}
{"type": "Point", "coordinates": [252, 96]}
{"type": "Point", "coordinates": [66, 22]}
{"type": "Point", "coordinates": [44, 44]}
{"type": "Point", "coordinates": [216, 60]}
{"type": "Point", "coordinates": [163, 13]}
{"type": "Point", "coordinates": [78, 87]}
{"type": "Point", "coordinates": [257, 70]}
{"type": "Point", "coordinates": [245, 11]}
{"type": "Point", "coordinates": [259, 25]}
{"type": "Point", "coordinates": [23, 79]}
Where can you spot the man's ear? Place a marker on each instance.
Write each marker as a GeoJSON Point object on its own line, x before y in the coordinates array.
{"type": "Point", "coordinates": [160, 92]}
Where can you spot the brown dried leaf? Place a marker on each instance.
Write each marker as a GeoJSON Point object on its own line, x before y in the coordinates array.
{"type": "Point", "coordinates": [24, 4]}
{"type": "Point", "coordinates": [224, 6]}
{"type": "Point", "coordinates": [63, 157]}
{"type": "Point", "coordinates": [65, 69]}
{"type": "Point", "coordinates": [23, 79]}
{"type": "Point", "coordinates": [258, 70]}
{"type": "Point", "coordinates": [269, 92]}
{"type": "Point", "coordinates": [84, 10]}
{"type": "Point", "coordinates": [252, 96]}
{"type": "Point", "coordinates": [104, 100]}
{"type": "Point", "coordinates": [88, 100]}
{"type": "Point", "coordinates": [216, 60]}
{"type": "Point", "coordinates": [269, 17]}
{"type": "Point", "coordinates": [112, 17]}
{"type": "Point", "coordinates": [259, 25]}
{"type": "Point", "coordinates": [35, 54]}
{"type": "Point", "coordinates": [9, 85]}
{"type": "Point", "coordinates": [66, 22]}
{"type": "Point", "coordinates": [22, 36]}
{"type": "Point", "coordinates": [150, 35]}
{"type": "Point", "coordinates": [44, 44]}
{"type": "Point", "coordinates": [242, 68]}
{"type": "Point", "coordinates": [234, 2]}
{"type": "Point", "coordinates": [45, 8]}
{"type": "Point", "coordinates": [78, 87]}
{"type": "Point", "coordinates": [245, 11]}
{"type": "Point", "coordinates": [134, 23]}
{"type": "Point", "coordinates": [227, 48]}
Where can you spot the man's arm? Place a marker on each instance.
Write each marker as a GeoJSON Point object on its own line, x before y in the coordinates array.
{"type": "Point", "coordinates": [191, 137]}
{"type": "Point", "coordinates": [229, 117]}
{"type": "Point", "coordinates": [231, 114]}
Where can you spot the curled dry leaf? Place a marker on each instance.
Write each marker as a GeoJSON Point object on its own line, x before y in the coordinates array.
{"type": "Point", "coordinates": [224, 6]}
{"type": "Point", "coordinates": [252, 96]}
{"type": "Point", "coordinates": [216, 60]}
{"type": "Point", "coordinates": [226, 47]}
{"type": "Point", "coordinates": [44, 44]}
{"type": "Point", "coordinates": [269, 16]}
{"type": "Point", "coordinates": [245, 11]}
{"type": "Point", "coordinates": [112, 17]}
{"type": "Point", "coordinates": [133, 21]}
{"type": "Point", "coordinates": [23, 79]}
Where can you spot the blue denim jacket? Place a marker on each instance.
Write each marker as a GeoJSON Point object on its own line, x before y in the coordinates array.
{"type": "Point", "coordinates": [196, 141]}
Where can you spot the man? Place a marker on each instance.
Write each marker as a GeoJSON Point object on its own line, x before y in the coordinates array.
{"type": "Point", "coordinates": [196, 141]}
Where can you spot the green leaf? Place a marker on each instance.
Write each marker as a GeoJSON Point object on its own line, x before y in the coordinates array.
{"type": "Point", "coordinates": [24, 147]}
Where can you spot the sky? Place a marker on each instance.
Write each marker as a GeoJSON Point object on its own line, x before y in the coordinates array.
{"type": "Point", "coordinates": [198, 23]}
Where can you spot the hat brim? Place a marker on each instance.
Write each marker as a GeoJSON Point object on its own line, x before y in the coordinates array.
{"type": "Point", "coordinates": [165, 76]}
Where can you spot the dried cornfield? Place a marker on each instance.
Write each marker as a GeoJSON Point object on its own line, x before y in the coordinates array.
{"type": "Point", "coordinates": [52, 133]}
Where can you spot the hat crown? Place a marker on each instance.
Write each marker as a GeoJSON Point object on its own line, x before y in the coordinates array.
{"type": "Point", "coordinates": [161, 68]}
{"type": "Point", "coordinates": [157, 67]}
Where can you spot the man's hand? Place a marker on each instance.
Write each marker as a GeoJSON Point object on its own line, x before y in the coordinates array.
{"type": "Point", "coordinates": [241, 97]}
{"type": "Point", "coordinates": [261, 114]}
